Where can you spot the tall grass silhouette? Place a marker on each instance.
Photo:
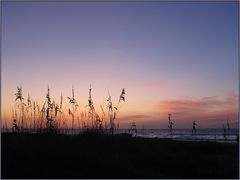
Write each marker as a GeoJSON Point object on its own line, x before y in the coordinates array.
{"type": "Point", "coordinates": [74, 104]}
{"type": "Point", "coordinates": [19, 97]}
{"type": "Point", "coordinates": [50, 116]}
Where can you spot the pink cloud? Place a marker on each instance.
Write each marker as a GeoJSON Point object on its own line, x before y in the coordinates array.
{"type": "Point", "coordinates": [209, 111]}
{"type": "Point", "coordinates": [203, 104]}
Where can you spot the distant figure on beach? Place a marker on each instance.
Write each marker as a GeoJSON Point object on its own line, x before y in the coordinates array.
{"type": "Point", "coordinates": [228, 126]}
{"type": "Point", "coordinates": [194, 130]}
{"type": "Point", "coordinates": [170, 123]}
{"type": "Point", "coordinates": [224, 132]}
{"type": "Point", "coordinates": [134, 129]}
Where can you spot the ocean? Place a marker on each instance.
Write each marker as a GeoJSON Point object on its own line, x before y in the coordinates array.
{"type": "Point", "coordinates": [218, 135]}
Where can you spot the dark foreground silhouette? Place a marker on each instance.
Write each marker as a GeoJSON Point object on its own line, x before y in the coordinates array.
{"type": "Point", "coordinates": [101, 156]}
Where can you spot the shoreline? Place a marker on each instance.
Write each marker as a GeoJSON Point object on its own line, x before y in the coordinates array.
{"type": "Point", "coordinates": [178, 135]}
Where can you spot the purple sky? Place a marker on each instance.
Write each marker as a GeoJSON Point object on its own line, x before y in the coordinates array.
{"type": "Point", "coordinates": [161, 52]}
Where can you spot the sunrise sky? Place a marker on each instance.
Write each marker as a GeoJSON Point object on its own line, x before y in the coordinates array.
{"type": "Point", "coordinates": [171, 57]}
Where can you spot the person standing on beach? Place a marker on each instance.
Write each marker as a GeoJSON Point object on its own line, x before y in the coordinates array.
{"type": "Point", "coordinates": [170, 123]}
{"type": "Point", "coordinates": [194, 128]}
{"type": "Point", "coordinates": [224, 132]}
{"type": "Point", "coordinates": [134, 129]}
{"type": "Point", "coordinates": [228, 126]}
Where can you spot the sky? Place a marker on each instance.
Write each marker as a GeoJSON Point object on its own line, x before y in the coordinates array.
{"type": "Point", "coordinates": [171, 57]}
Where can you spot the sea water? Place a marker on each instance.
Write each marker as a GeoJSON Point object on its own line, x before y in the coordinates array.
{"type": "Point", "coordinates": [187, 135]}
{"type": "Point", "coordinates": [218, 135]}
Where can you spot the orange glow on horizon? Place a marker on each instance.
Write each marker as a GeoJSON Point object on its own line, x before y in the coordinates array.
{"type": "Point", "coordinates": [184, 110]}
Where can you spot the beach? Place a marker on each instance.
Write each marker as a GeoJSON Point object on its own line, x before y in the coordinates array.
{"type": "Point", "coordinates": [26, 155]}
